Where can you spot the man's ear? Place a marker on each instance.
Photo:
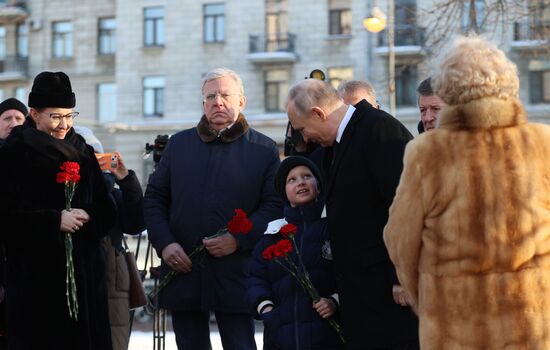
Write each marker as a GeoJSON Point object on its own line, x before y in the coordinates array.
{"type": "Point", "coordinates": [319, 113]}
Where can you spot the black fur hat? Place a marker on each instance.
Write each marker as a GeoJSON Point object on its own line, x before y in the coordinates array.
{"type": "Point", "coordinates": [286, 166]}
{"type": "Point", "coordinates": [52, 89]}
{"type": "Point", "coordinates": [13, 103]}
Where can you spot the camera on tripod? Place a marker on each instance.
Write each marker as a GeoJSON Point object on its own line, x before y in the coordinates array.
{"type": "Point", "coordinates": [156, 148]}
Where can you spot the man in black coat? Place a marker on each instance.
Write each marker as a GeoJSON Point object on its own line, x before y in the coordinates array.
{"type": "Point", "coordinates": [363, 160]}
{"type": "Point", "coordinates": [204, 175]}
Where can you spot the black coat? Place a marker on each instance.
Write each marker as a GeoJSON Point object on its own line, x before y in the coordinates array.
{"type": "Point", "coordinates": [194, 191]}
{"type": "Point", "coordinates": [30, 212]}
{"type": "Point", "coordinates": [293, 323]}
{"type": "Point", "coordinates": [361, 187]}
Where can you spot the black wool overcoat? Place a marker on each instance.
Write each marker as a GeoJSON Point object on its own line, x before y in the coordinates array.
{"type": "Point", "coordinates": [362, 180]}
{"type": "Point", "coordinates": [30, 213]}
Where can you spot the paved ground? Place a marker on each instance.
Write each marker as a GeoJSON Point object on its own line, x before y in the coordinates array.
{"type": "Point", "coordinates": [142, 336]}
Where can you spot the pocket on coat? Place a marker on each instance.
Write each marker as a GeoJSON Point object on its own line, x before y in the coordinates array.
{"type": "Point", "coordinates": [122, 278]}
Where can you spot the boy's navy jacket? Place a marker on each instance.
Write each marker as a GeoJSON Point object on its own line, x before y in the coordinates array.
{"type": "Point", "coordinates": [294, 323]}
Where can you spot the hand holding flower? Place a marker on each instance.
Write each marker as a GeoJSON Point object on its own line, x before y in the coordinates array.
{"type": "Point", "coordinates": [175, 257]}
{"type": "Point", "coordinates": [325, 307]}
{"type": "Point", "coordinates": [221, 246]}
{"type": "Point", "coordinates": [73, 220]}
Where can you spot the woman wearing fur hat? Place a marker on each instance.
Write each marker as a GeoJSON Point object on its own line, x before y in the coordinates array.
{"type": "Point", "coordinates": [469, 227]}
{"type": "Point", "coordinates": [35, 223]}
{"type": "Point", "coordinates": [291, 320]}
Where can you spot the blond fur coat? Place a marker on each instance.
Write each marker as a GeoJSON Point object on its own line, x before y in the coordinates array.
{"type": "Point", "coordinates": [469, 229]}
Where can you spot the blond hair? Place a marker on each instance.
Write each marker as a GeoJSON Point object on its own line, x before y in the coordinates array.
{"type": "Point", "coordinates": [474, 68]}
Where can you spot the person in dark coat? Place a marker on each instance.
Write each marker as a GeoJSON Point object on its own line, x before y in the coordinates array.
{"type": "Point", "coordinates": [34, 219]}
{"type": "Point", "coordinates": [125, 191]}
{"type": "Point", "coordinates": [205, 173]}
{"type": "Point", "coordinates": [12, 114]}
{"type": "Point", "coordinates": [363, 169]}
{"type": "Point", "coordinates": [291, 319]}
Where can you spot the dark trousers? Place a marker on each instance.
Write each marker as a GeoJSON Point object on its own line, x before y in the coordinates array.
{"type": "Point", "coordinates": [192, 330]}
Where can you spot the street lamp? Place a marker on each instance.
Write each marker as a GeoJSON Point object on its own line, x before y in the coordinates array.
{"type": "Point", "coordinates": [375, 24]}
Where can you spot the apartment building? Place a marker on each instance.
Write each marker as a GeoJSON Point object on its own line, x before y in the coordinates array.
{"type": "Point", "coordinates": [136, 66]}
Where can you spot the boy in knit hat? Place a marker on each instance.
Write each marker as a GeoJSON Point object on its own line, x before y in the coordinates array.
{"type": "Point", "coordinates": [285, 308]}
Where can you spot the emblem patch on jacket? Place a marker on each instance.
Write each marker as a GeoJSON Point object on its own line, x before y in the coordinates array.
{"type": "Point", "coordinates": [326, 252]}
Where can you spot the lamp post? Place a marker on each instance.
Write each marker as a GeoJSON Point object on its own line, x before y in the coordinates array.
{"type": "Point", "coordinates": [375, 24]}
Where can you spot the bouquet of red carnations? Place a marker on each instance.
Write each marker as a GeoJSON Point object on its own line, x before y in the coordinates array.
{"type": "Point", "coordinates": [280, 253]}
{"type": "Point", "coordinates": [69, 175]}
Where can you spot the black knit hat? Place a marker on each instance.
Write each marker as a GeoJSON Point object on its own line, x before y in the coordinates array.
{"type": "Point", "coordinates": [13, 103]}
{"type": "Point", "coordinates": [52, 89]}
{"type": "Point", "coordinates": [286, 166]}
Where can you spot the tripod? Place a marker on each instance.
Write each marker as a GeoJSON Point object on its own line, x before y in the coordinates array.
{"type": "Point", "coordinates": [159, 315]}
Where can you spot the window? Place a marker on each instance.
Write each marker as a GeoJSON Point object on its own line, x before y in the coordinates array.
{"type": "Point", "coordinates": [340, 22]}
{"type": "Point", "coordinates": [106, 102]}
{"type": "Point", "coordinates": [62, 40]}
{"type": "Point", "coordinates": [22, 44]}
{"type": "Point", "coordinates": [214, 23]}
{"type": "Point", "coordinates": [339, 17]}
{"type": "Point", "coordinates": [276, 89]}
{"type": "Point", "coordinates": [405, 85]}
{"type": "Point", "coordinates": [2, 42]}
{"type": "Point", "coordinates": [20, 93]}
{"type": "Point", "coordinates": [153, 26]}
{"type": "Point", "coordinates": [153, 96]}
{"type": "Point", "coordinates": [337, 75]}
{"type": "Point", "coordinates": [107, 36]}
{"type": "Point", "coordinates": [539, 86]}
{"type": "Point", "coordinates": [472, 18]}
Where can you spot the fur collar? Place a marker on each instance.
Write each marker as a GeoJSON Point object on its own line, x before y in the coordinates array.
{"type": "Point", "coordinates": [483, 113]}
{"type": "Point", "coordinates": [207, 134]}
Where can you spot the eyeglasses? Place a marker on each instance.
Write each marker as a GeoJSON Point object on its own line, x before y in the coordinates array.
{"type": "Point", "coordinates": [58, 117]}
{"type": "Point", "coordinates": [224, 96]}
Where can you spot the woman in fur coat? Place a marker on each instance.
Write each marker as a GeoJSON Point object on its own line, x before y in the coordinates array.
{"type": "Point", "coordinates": [469, 228]}
{"type": "Point", "coordinates": [35, 222]}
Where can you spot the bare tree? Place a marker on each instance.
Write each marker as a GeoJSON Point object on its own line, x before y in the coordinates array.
{"type": "Point", "coordinates": [491, 18]}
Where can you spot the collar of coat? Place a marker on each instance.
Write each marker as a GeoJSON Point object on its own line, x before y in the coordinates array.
{"type": "Point", "coordinates": [208, 134]}
{"type": "Point", "coordinates": [483, 113]}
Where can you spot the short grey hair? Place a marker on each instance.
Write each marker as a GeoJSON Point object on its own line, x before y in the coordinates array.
{"type": "Point", "coordinates": [311, 92]}
{"type": "Point", "coordinates": [352, 86]}
{"type": "Point", "coordinates": [220, 73]}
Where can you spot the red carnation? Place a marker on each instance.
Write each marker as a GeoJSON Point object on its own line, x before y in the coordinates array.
{"type": "Point", "coordinates": [70, 167]}
{"type": "Point", "coordinates": [268, 252]}
{"type": "Point", "coordinates": [288, 229]}
{"type": "Point", "coordinates": [75, 178]}
{"type": "Point", "coordinates": [284, 247]}
{"type": "Point", "coordinates": [239, 223]}
{"type": "Point", "coordinates": [62, 177]}
{"type": "Point", "coordinates": [240, 213]}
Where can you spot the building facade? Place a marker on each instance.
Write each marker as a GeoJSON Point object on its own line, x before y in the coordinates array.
{"type": "Point", "coordinates": [136, 66]}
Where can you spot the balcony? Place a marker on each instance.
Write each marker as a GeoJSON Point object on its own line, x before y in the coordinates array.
{"type": "Point", "coordinates": [272, 48]}
{"type": "Point", "coordinates": [408, 40]}
{"type": "Point", "coordinates": [13, 11]}
{"type": "Point", "coordinates": [531, 35]}
{"type": "Point", "coordinates": [13, 68]}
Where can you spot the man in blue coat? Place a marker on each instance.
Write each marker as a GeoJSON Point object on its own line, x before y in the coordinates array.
{"type": "Point", "coordinates": [204, 175]}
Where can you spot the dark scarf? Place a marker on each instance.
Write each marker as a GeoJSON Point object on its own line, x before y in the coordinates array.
{"type": "Point", "coordinates": [208, 134]}
{"type": "Point", "coordinates": [72, 148]}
